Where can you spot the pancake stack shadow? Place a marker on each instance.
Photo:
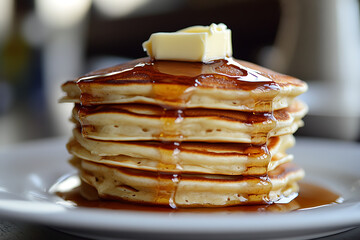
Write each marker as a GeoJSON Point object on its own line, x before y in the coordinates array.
{"type": "Point", "coordinates": [184, 134]}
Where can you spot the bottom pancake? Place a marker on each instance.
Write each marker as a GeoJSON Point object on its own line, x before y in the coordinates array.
{"type": "Point", "coordinates": [189, 190]}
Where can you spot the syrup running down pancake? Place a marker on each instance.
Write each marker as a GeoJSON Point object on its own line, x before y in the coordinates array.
{"type": "Point", "coordinates": [147, 122]}
{"type": "Point", "coordinates": [220, 84]}
{"type": "Point", "coordinates": [186, 134]}
{"type": "Point", "coordinates": [193, 157]}
{"type": "Point", "coordinates": [186, 128]}
{"type": "Point", "coordinates": [195, 190]}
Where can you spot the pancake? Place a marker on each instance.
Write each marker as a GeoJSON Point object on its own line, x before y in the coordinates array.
{"type": "Point", "coordinates": [185, 157]}
{"type": "Point", "coordinates": [186, 134]}
{"type": "Point", "coordinates": [189, 190]}
{"type": "Point", "coordinates": [134, 122]}
{"type": "Point", "coordinates": [221, 84]}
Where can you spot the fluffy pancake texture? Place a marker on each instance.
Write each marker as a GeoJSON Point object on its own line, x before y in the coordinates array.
{"type": "Point", "coordinates": [186, 134]}
{"type": "Point", "coordinates": [194, 157]}
{"type": "Point", "coordinates": [187, 85]}
{"type": "Point", "coordinates": [147, 122]}
{"type": "Point", "coordinates": [192, 190]}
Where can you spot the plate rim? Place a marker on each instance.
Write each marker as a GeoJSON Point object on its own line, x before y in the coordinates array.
{"type": "Point", "coordinates": [69, 218]}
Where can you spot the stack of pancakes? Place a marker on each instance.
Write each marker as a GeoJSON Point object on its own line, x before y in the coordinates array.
{"type": "Point", "coordinates": [186, 134]}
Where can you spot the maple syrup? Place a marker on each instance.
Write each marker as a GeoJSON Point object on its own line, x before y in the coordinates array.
{"type": "Point", "coordinates": [310, 196]}
{"type": "Point", "coordinates": [175, 82]}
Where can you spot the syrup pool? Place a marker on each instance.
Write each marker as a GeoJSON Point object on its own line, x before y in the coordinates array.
{"type": "Point", "coordinates": [310, 196]}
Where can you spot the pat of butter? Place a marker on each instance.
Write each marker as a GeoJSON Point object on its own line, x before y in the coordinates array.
{"type": "Point", "coordinates": [196, 44]}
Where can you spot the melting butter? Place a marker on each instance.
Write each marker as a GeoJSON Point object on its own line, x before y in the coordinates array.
{"type": "Point", "coordinates": [195, 44]}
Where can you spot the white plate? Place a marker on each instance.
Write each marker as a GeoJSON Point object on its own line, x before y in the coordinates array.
{"type": "Point", "coordinates": [27, 171]}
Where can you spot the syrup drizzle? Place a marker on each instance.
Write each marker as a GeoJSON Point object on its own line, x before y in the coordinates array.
{"type": "Point", "coordinates": [169, 155]}
{"type": "Point", "coordinates": [310, 196]}
{"type": "Point", "coordinates": [159, 71]}
{"type": "Point", "coordinates": [174, 81]}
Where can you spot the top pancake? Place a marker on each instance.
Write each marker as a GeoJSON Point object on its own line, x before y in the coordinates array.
{"type": "Point", "coordinates": [221, 84]}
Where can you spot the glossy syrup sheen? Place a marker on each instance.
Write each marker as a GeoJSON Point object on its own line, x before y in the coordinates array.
{"type": "Point", "coordinates": [224, 73]}
{"type": "Point", "coordinates": [310, 196]}
{"type": "Point", "coordinates": [174, 82]}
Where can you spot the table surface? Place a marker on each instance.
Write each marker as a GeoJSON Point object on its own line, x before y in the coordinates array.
{"type": "Point", "coordinates": [13, 230]}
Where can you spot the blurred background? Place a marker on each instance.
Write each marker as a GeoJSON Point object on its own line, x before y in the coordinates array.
{"type": "Point", "coordinates": [46, 42]}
